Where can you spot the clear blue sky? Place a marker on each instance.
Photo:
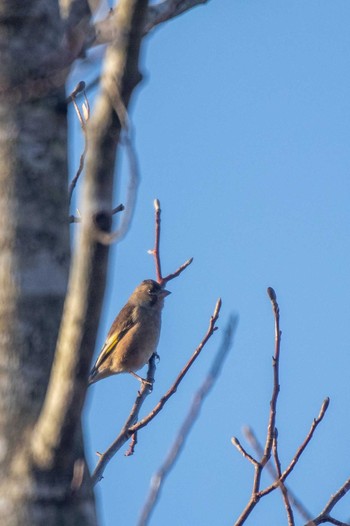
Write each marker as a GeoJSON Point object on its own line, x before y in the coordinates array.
{"type": "Point", "coordinates": [243, 133]}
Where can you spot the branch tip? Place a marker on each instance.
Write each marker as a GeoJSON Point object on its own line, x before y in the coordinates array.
{"type": "Point", "coordinates": [156, 204]}
{"type": "Point", "coordinates": [78, 89]}
{"type": "Point", "coordinates": [271, 293]}
{"type": "Point", "coordinates": [325, 404]}
{"type": "Point", "coordinates": [217, 309]}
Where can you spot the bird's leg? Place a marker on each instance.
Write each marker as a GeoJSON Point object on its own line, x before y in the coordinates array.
{"type": "Point", "coordinates": [140, 379]}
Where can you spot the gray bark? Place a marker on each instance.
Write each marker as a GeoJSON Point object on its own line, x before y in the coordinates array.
{"type": "Point", "coordinates": [34, 263]}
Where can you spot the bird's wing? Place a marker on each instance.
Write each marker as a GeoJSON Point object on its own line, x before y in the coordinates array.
{"type": "Point", "coordinates": [120, 327]}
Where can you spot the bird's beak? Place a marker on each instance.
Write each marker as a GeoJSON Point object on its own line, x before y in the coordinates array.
{"type": "Point", "coordinates": [163, 293]}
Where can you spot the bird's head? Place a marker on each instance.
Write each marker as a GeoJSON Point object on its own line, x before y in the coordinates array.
{"type": "Point", "coordinates": [149, 293]}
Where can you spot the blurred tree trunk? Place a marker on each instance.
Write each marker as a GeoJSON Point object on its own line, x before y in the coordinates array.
{"type": "Point", "coordinates": [34, 263]}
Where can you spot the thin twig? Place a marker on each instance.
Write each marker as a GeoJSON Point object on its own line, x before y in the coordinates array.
{"type": "Point", "coordinates": [77, 219]}
{"type": "Point", "coordinates": [276, 386]}
{"type": "Point", "coordinates": [107, 238]}
{"type": "Point", "coordinates": [167, 10]}
{"type": "Point", "coordinates": [327, 519]}
{"type": "Point", "coordinates": [300, 450]}
{"type": "Point", "coordinates": [255, 444]}
{"type": "Point", "coordinates": [155, 252]}
{"type": "Point", "coordinates": [259, 466]}
{"type": "Point", "coordinates": [243, 451]}
{"type": "Point", "coordinates": [283, 488]}
{"type": "Point", "coordinates": [106, 30]}
{"type": "Point", "coordinates": [158, 479]}
{"type": "Point", "coordinates": [211, 329]}
{"type": "Point", "coordinates": [336, 497]}
{"type": "Point", "coordinates": [132, 445]}
{"type": "Point", "coordinates": [83, 119]}
{"type": "Point", "coordinates": [324, 516]}
{"type": "Point", "coordinates": [130, 427]}
{"type": "Point", "coordinates": [271, 438]}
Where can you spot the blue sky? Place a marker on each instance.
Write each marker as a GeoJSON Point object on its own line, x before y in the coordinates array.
{"type": "Point", "coordinates": [242, 130]}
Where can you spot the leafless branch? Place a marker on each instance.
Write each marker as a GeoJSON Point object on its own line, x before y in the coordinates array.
{"type": "Point", "coordinates": [255, 444]}
{"type": "Point", "coordinates": [211, 329]}
{"type": "Point", "coordinates": [167, 10]}
{"type": "Point", "coordinates": [336, 497]}
{"type": "Point", "coordinates": [76, 15]}
{"type": "Point", "coordinates": [83, 120]}
{"type": "Point", "coordinates": [300, 450]}
{"type": "Point", "coordinates": [60, 416]}
{"type": "Point", "coordinates": [283, 488]}
{"type": "Point", "coordinates": [107, 238]}
{"type": "Point", "coordinates": [325, 516]}
{"type": "Point", "coordinates": [259, 466]}
{"type": "Point", "coordinates": [158, 479]}
{"type": "Point", "coordinates": [276, 386]}
{"type": "Point", "coordinates": [271, 437]}
{"type": "Point", "coordinates": [106, 30]}
{"type": "Point", "coordinates": [132, 445]}
{"type": "Point", "coordinates": [130, 427]}
{"type": "Point", "coordinates": [244, 452]}
{"type": "Point", "coordinates": [116, 210]}
{"type": "Point", "coordinates": [156, 250]}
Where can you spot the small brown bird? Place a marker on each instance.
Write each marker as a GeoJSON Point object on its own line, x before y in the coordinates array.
{"type": "Point", "coordinates": [134, 334]}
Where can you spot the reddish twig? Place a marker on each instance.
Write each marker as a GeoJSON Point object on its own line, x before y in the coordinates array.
{"type": "Point", "coordinates": [132, 445]}
{"type": "Point", "coordinates": [155, 252]}
{"type": "Point", "coordinates": [158, 479]}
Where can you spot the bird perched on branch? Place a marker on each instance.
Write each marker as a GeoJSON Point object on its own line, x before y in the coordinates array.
{"type": "Point", "coordinates": [134, 334]}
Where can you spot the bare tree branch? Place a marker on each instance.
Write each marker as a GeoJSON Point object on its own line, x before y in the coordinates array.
{"type": "Point", "coordinates": [283, 488]}
{"type": "Point", "coordinates": [83, 119]}
{"type": "Point", "coordinates": [130, 427]}
{"type": "Point", "coordinates": [156, 250]}
{"type": "Point", "coordinates": [254, 442]}
{"type": "Point", "coordinates": [108, 238]}
{"type": "Point", "coordinates": [167, 10]}
{"type": "Point", "coordinates": [300, 450]}
{"type": "Point", "coordinates": [244, 452]}
{"type": "Point", "coordinates": [325, 516]}
{"type": "Point", "coordinates": [158, 479]}
{"type": "Point", "coordinates": [76, 15]}
{"type": "Point", "coordinates": [116, 210]}
{"type": "Point", "coordinates": [60, 416]}
{"type": "Point", "coordinates": [259, 466]}
{"type": "Point", "coordinates": [271, 437]}
{"type": "Point", "coordinates": [105, 31]}
{"type": "Point", "coordinates": [276, 386]}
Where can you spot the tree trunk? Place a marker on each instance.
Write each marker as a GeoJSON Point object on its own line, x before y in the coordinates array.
{"type": "Point", "coordinates": [34, 263]}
